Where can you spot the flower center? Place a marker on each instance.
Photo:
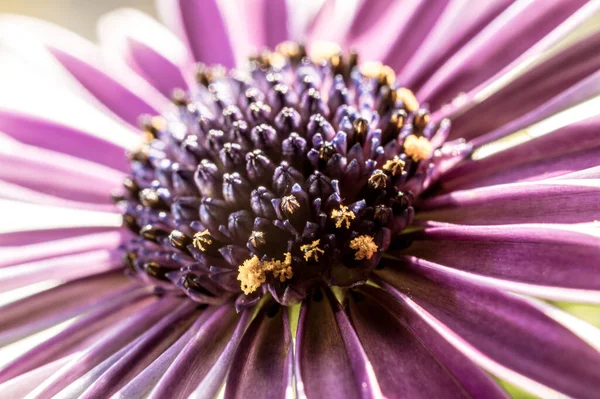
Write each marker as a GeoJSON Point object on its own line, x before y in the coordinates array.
{"type": "Point", "coordinates": [296, 172]}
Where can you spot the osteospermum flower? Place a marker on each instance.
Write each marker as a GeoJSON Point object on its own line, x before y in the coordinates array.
{"type": "Point", "coordinates": [366, 216]}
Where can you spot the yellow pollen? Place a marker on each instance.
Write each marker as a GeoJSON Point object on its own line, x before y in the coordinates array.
{"type": "Point", "coordinates": [407, 97]}
{"type": "Point", "coordinates": [394, 166]}
{"type": "Point", "coordinates": [342, 216]}
{"type": "Point", "coordinates": [364, 246]}
{"type": "Point", "coordinates": [417, 148]}
{"type": "Point", "coordinates": [202, 240]}
{"type": "Point", "coordinates": [291, 50]}
{"type": "Point", "coordinates": [312, 251]}
{"type": "Point", "coordinates": [376, 70]}
{"type": "Point", "coordinates": [253, 273]}
{"type": "Point", "coordinates": [325, 51]}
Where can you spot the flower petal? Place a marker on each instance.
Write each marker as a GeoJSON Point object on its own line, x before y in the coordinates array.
{"type": "Point", "coordinates": [201, 25]}
{"type": "Point", "coordinates": [261, 366]}
{"type": "Point", "coordinates": [535, 255]}
{"type": "Point", "coordinates": [75, 334]}
{"type": "Point", "coordinates": [63, 268]}
{"type": "Point", "coordinates": [532, 157]}
{"type": "Point", "coordinates": [400, 343]}
{"type": "Point", "coordinates": [110, 342]}
{"type": "Point", "coordinates": [507, 37]}
{"type": "Point", "coordinates": [63, 139]}
{"type": "Point", "coordinates": [31, 314]}
{"type": "Point", "coordinates": [499, 331]}
{"type": "Point", "coordinates": [70, 246]}
{"type": "Point", "coordinates": [24, 224]}
{"type": "Point", "coordinates": [460, 20]}
{"type": "Point", "coordinates": [193, 367]}
{"type": "Point", "coordinates": [147, 47]}
{"type": "Point", "coordinates": [147, 348]}
{"type": "Point", "coordinates": [547, 201]}
{"type": "Point", "coordinates": [20, 386]}
{"type": "Point", "coordinates": [141, 385]}
{"type": "Point", "coordinates": [329, 358]}
{"type": "Point", "coordinates": [30, 167]}
{"type": "Point", "coordinates": [122, 92]}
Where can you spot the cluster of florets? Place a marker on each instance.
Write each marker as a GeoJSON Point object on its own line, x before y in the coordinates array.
{"type": "Point", "coordinates": [299, 172]}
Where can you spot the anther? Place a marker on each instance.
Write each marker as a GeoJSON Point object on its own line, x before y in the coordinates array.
{"type": "Point", "coordinates": [152, 233]}
{"type": "Point", "coordinates": [364, 246]}
{"type": "Point", "coordinates": [378, 180]}
{"type": "Point", "coordinates": [150, 198]}
{"type": "Point", "coordinates": [257, 239]}
{"type": "Point", "coordinates": [202, 240]}
{"type": "Point", "coordinates": [408, 99]}
{"type": "Point", "coordinates": [312, 251]}
{"type": "Point", "coordinates": [289, 204]}
{"type": "Point", "coordinates": [342, 217]}
{"type": "Point", "coordinates": [417, 148]}
{"type": "Point", "coordinates": [394, 166]}
{"type": "Point", "coordinates": [179, 98]}
{"type": "Point", "coordinates": [179, 240]}
{"type": "Point", "coordinates": [421, 119]}
{"type": "Point", "coordinates": [326, 151]}
{"type": "Point", "coordinates": [155, 270]}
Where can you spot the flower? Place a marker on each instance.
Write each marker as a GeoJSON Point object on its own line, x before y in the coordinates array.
{"type": "Point", "coordinates": [307, 223]}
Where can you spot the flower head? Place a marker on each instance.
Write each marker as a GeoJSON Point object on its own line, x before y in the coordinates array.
{"type": "Point", "coordinates": [295, 216]}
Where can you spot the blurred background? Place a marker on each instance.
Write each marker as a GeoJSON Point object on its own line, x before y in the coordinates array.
{"type": "Point", "coordinates": [77, 15]}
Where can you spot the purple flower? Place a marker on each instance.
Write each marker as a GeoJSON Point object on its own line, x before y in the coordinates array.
{"type": "Point", "coordinates": [382, 217]}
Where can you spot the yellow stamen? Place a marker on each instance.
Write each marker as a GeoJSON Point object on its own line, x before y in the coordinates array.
{"type": "Point", "coordinates": [376, 70]}
{"type": "Point", "coordinates": [312, 251]}
{"type": "Point", "coordinates": [325, 51]}
{"type": "Point", "coordinates": [202, 240]}
{"type": "Point", "coordinates": [291, 50]}
{"type": "Point", "coordinates": [364, 246]}
{"type": "Point", "coordinates": [253, 273]}
{"type": "Point", "coordinates": [394, 166]}
{"type": "Point", "coordinates": [408, 99]}
{"type": "Point", "coordinates": [417, 148]}
{"type": "Point", "coordinates": [342, 216]}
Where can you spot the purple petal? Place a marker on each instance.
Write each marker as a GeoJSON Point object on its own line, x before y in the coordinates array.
{"type": "Point", "coordinates": [31, 314]}
{"type": "Point", "coordinates": [549, 82]}
{"type": "Point", "coordinates": [532, 254]}
{"type": "Point", "coordinates": [150, 345]}
{"type": "Point", "coordinates": [20, 386]}
{"type": "Point", "coordinates": [460, 21]}
{"type": "Point", "coordinates": [514, 31]}
{"type": "Point", "coordinates": [399, 343]}
{"type": "Point", "coordinates": [551, 155]}
{"type": "Point", "coordinates": [62, 268]}
{"type": "Point", "coordinates": [70, 246]}
{"type": "Point", "coordinates": [148, 48]}
{"type": "Point", "coordinates": [142, 384]}
{"type": "Point", "coordinates": [34, 236]}
{"type": "Point", "coordinates": [67, 340]}
{"type": "Point", "coordinates": [61, 138]}
{"type": "Point", "coordinates": [261, 366]}
{"type": "Point", "coordinates": [18, 193]}
{"type": "Point", "coordinates": [72, 178]}
{"type": "Point", "coordinates": [194, 365]}
{"type": "Point", "coordinates": [110, 342]}
{"type": "Point", "coordinates": [549, 201]}
{"type": "Point", "coordinates": [325, 366]}
{"type": "Point", "coordinates": [122, 92]}
{"type": "Point", "coordinates": [201, 25]}
{"type": "Point", "coordinates": [498, 330]}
